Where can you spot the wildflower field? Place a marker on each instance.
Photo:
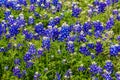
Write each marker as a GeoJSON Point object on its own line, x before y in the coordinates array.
{"type": "Point", "coordinates": [59, 39]}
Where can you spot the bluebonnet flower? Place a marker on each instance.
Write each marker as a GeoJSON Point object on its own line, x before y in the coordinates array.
{"type": "Point", "coordinates": [11, 20]}
{"type": "Point", "coordinates": [70, 46]}
{"type": "Point", "coordinates": [99, 47]}
{"type": "Point", "coordinates": [57, 20]}
{"type": "Point", "coordinates": [14, 30]}
{"type": "Point", "coordinates": [32, 7]}
{"type": "Point", "coordinates": [51, 22]}
{"type": "Point", "coordinates": [7, 13]}
{"type": "Point", "coordinates": [46, 43]}
{"type": "Point", "coordinates": [31, 20]}
{"type": "Point", "coordinates": [94, 69]}
{"type": "Point", "coordinates": [59, 6]}
{"type": "Point", "coordinates": [91, 45]}
{"type": "Point", "coordinates": [54, 21]}
{"type": "Point", "coordinates": [109, 66]}
{"type": "Point", "coordinates": [22, 2]}
{"type": "Point", "coordinates": [58, 76]}
{"type": "Point", "coordinates": [110, 23]}
{"type": "Point", "coordinates": [36, 76]}
{"type": "Point", "coordinates": [55, 33]}
{"type": "Point", "coordinates": [81, 68]}
{"type": "Point", "coordinates": [82, 37]}
{"type": "Point", "coordinates": [40, 52]}
{"type": "Point", "coordinates": [71, 38]}
{"type": "Point", "coordinates": [49, 32]}
{"type": "Point", "coordinates": [107, 76]}
{"type": "Point", "coordinates": [108, 2]}
{"type": "Point", "coordinates": [84, 50]}
{"type": "Point", "coordinates": [47, 4]}
{"type": "Point", "coordinates": [96, 2]}
{"type": "Point", "coordinates": [115, 12]}
{"type": "Point", "coordinates": [98, 34]}
{"type": "Point", "coordinates": [90, 13]}
{"type": "Point", "coordinates": [39, 28]}
{"type": "Point", "coordinates": [101, 7]}
{"type": "Point", "coordinates": [68, 74]}
{"type": "Point", "coordinates": [17, 7]}
{"type": "Point", "coordinates": [32, 1]}
{"type": "Point", "coordinates": [16, 72]}
{"type": "Point", "coordinates": [114, 1]}
{"type": "Point", "coordinates": [113, 50]}
{"type": "Point", "coordinates": [29, 64]}
{"type": "Point", "coordinates": [55, 2]}
{"type": "Point", "coordinates": [1, 30]}
{"type": "Point", "coordinates": [4, 26]}
{"type": "Point", "coordinates": [76, 10]}
{"type": "Point", "coordinates": [36, 14]}
{"type": "Point", "coordinates": [92, 55]}
{"type": "Point", "coordinates": [118, 38]}
{"type": "Point", "coordinates": [118, 17]}
{"type": "Point", "coordinates": [27, 57]}
{"type": "Point", "coordinates": [25, 32]}
{"type": "Point", "coordinates": [32, 49]}
{"type": "Point", "coordinates": [64, 32]}
{"type": "Point", "coordinates": [87, 26]}
{"type": "Point", "coordinates": [39, 2]}
{"type": "Point", "coordinates": [36, 36]}
{"type": "Point", "coordinates": [77, 28]}
{"type": "Point", "coordinates": [117, 75]}
{"type": "Point", "coordinates": [21, 21]}
{"type": "Point", "coordinates": [24, 72]}
{"type": "Point", "coordinates": [29, 36]}
{"type": "Point", "coordinates": [98, 26]}
{"type": "Point", "coordinates": [17, 61]}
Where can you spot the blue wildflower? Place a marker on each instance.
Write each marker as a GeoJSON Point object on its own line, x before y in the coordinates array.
{"type": "Point", "coordinates": [7, 13]}
{"type": "Point", "coordinates": [36, 76]}
{"type": "Point", "coordinates": [27, 57]}
{"type": "Point", "coordinates": [40, 52]}
{"type": "Point", "coordinates": [101, 7]}
{"type": "Point", "coordinates": [39, 28]}
{"type": "Point", "coordinates": [81, 68]}
{"type": "Point", "coordinates": [99, 47]}
{"type": "Point", "coordinates": [91, 45]}
{"type": "Point", "coordinates": [70, 46]}
{"type": "Point", "coordinates": [94, 69]}
{"type": "Point", "coordinates": [68, 74]}
{"type": "Point", "coordinates": [64, 32]}
{"type": "Point", "coordinates": [113, 50]}
{"type": "Point", "coordinates": [115, 12]}
{"type": "Point", "coordinates": [16, 72]}
{"type": "Point", "coordinates": [82, 37]}
{"type": "Point", "coordinates": [29, 64]}
{"type": "Point", "coordinates": [58, 76]}
{"type": "Point", "coordinates": [109, 66]}
{"type": "Point", "coordinates": [117, 75]}
{"type": "Point", "coordinates": [32, 49]}
{"type": "Point", "coordinates": [32, 1]}
{"type": "Point", "coordinates": [46, 43]}
{"type": "Point", "coordinates": [17, 61]}
{"type": "Point", "coordinates": [107, 76]}
{"type": "Point", "coordinates": [118, 17]}
{"type": "Point", "coordinates": [84, 50]}
{"type": "Point", "coordinates": [32, 8]}
{"type": "Point", "coordinates": [31, 20]}
{"type": "Point", "coordinates": [76, 10]}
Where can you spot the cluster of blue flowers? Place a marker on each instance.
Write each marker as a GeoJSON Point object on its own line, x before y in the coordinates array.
{"type": "Point", "coordinates": [72, 34]}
